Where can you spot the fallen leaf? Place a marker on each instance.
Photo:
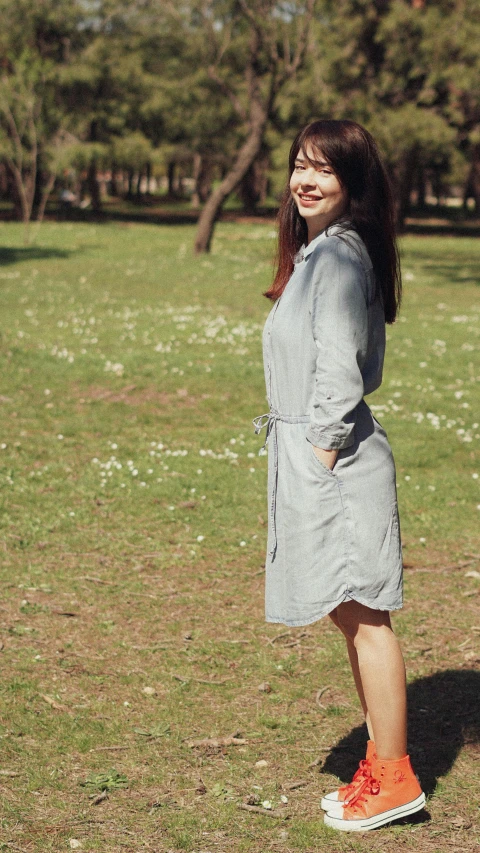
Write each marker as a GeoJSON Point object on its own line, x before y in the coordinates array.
{"type": "Point", "coordinates": [261, 763]}
{"type": "Point", "coordinates": [264, 687]}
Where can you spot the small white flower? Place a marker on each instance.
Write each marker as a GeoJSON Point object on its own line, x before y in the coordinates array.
{"type": "Point", "coordinates": [422, 539]}
{"type": "Point", "coordinates": [475, 476]}
{"type": "Point", "coordinates": [284, 799]}
{"type": "Point", "coordinates": [199, 471]}
{"type": "Point", "coordinates": [60, 437]}
{"type": "Point", "coordinates": [242, 544]}
{"type": "Point", "coordinates": [266, 804]}
{"type": "Point", "coordinates": [47, 392]}
{"type": "Point", "coordinates": [408, 478]}
{"type": "Point", "coordinates": [200, 538]}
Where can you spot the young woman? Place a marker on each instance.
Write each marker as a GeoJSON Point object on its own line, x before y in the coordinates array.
{"type": "Point", "coordinates": [334, 540]}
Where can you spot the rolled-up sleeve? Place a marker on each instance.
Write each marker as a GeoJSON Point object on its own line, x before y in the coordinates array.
{"type": "Point", "coordinates": [339, 313]}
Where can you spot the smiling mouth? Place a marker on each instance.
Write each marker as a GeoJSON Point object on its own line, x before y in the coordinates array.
{"type": "Point", "coordinates": [304, 197]}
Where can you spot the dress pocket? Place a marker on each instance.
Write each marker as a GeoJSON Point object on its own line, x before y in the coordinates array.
{"type": "Point", "coordinates": [320, 465]}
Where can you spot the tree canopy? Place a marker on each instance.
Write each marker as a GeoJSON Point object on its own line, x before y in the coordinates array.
{"type": "Point", "coordinates": [209, 93]}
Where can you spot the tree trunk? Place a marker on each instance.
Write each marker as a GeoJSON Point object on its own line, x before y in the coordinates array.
{"type": "Point", "coordinates": [421, 188]}
{"type": "Point", "coordinates": [113, 180]}
{"type": "Point", "coordinates": [405, 185]}
{"type": "Point", "coordinates": [171, 179]}
{"type": "Point", "coordinates": [13, 194]}
{"type": "Point", "coordinates": [472, 185]}
{"type": "Point", "coordinates": [203, 177]}
{"type": "Point", "coordinates": [93, 186]}
{"type": "Point", "coordinates": [253, 187]}
{"type": "Point", "coordinates": [139, 183]}
{"type": "Point", "coordinates": [245, 157]}
{"type": "Point", "coordinates": [131, 175]}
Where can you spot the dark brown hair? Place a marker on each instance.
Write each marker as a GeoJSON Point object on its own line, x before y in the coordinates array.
{"type": "Point", "coordinates": [354, 157]}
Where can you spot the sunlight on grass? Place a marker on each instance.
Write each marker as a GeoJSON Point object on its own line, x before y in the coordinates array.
{"type": "Point", "coordinates": [133, 535]}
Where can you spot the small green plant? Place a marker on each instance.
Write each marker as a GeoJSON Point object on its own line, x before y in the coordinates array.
{"type": "Point", "coordinates": [105, 781]}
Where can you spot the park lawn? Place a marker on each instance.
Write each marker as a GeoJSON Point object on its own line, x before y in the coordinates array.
{"type": "Point", "coordinates": [133, 535]}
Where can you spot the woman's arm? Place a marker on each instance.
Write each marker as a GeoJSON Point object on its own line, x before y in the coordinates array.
{"type": "Point", "coordinates": [340, 330]}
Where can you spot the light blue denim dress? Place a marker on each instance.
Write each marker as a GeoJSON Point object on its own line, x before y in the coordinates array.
{"type": "Point", "coordinates": [332, 535]}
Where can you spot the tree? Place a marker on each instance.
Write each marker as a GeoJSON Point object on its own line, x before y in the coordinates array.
{"type": "Point", "coordinates": [29, 131]}
{"type": "Point", "coordinates": [35, 40]}
{"type": "Point", "coordinates": [255, 47]}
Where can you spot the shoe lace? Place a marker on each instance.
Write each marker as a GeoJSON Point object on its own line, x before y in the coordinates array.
{"type": "Point", "coordinates": [367, 786]}
{"type": "Point", "coordinates": [362, 770]}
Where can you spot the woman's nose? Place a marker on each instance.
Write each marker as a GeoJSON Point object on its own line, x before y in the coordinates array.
{"type": "Point", "coordinates": [307, 182]}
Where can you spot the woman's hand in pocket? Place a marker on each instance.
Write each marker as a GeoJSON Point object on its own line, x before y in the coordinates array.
{"type": "Point", "coordinates": [326, 457]}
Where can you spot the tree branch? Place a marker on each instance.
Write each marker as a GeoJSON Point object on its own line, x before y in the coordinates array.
{"type": "Point", "coordinates": [232, 97]}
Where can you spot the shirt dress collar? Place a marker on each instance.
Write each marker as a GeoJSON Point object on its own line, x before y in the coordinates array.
{"type": "Point", "coordinates": [304, 251]}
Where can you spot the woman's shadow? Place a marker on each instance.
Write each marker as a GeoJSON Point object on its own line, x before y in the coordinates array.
{"type": "Point", "coordinates": [443, 717]}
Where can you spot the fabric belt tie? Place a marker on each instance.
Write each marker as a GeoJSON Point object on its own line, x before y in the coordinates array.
{"type": "Point", "coordinates": [269, 421]}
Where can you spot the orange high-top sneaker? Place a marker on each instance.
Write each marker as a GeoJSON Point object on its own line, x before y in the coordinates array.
{"type": "Point", "coordinates": [389, 792]}
{"type": "Point", "coordinates": [334, 801]}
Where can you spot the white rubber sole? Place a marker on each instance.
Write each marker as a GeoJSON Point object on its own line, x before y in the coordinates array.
{"type": "Point", "coordinates": [335, 820]}
{"type": "Point", "coordinates": [328, 803]}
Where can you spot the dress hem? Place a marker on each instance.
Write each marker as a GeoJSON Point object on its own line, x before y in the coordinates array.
{"type": "Point", "coordinates": [298, 623]}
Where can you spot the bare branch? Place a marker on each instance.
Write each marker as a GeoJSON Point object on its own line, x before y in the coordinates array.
{"type": "Point", "coordinates": [302, 41]}
{"type": "Point", "coordinates": [232, 97]}
{"type": "Point", "coordinates": [266, 33]}
{"type": "Point", "coordinates": [14, 133]}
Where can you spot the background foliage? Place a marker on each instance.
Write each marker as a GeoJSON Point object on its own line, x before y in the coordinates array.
{"type": "Point", "coordinates": [154, 87]}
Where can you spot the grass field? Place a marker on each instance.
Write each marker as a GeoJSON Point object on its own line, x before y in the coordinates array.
{"type": "Point", "coordinates": [132, 549]}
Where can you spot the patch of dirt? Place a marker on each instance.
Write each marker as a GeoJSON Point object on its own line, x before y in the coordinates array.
{"type": "Point", "coordinates": [132, 396]}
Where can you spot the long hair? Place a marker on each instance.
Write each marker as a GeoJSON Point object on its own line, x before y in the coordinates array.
{"type": "Point", "coordinates": [354, 157]}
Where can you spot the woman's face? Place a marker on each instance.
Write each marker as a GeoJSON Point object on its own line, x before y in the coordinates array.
{"type": "Point", "coordinates": [317, 192]}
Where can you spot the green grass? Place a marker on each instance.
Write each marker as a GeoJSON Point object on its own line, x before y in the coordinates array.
{"type": "Point", "coordinates": [133, 534]}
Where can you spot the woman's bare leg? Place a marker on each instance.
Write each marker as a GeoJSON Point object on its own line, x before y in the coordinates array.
{"type": "Point", "coordinates": [378, 664]}
{"type": "Point", "coordinates": [352, 654]}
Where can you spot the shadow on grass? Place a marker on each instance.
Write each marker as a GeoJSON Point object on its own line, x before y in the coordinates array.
{"type": "Point", "coordinates": [443, 716]}
{"type": "Point", "coordinates": [15, 254]}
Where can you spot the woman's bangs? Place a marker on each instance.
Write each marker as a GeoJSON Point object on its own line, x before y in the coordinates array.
{"type": "Point", "coordinates": [318, 144]}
